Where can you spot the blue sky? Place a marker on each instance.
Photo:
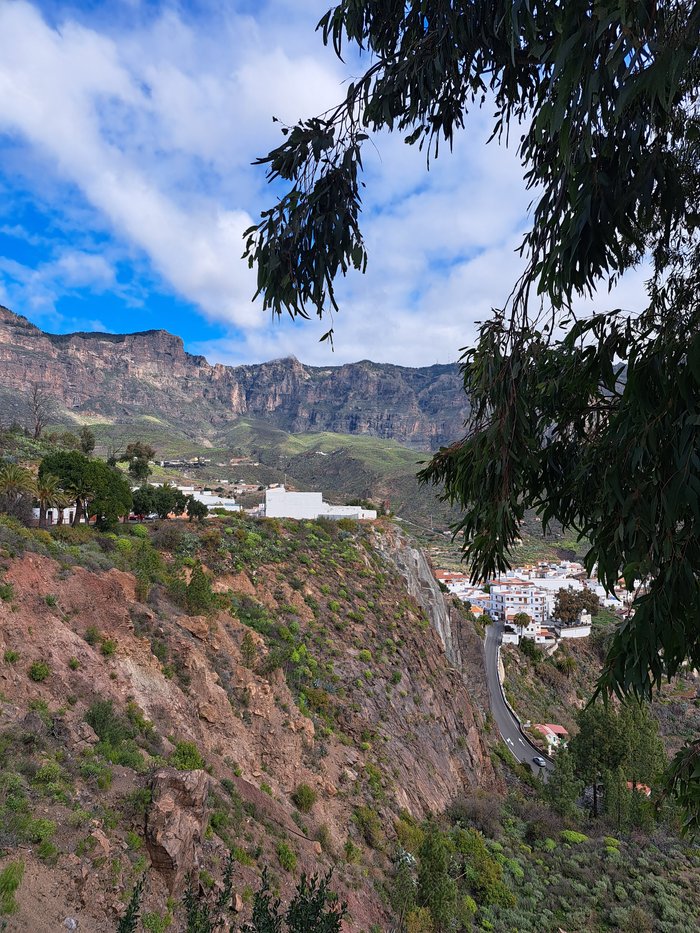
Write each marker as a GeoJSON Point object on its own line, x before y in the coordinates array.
{"type": "Point", "coordinates": [127, 130]}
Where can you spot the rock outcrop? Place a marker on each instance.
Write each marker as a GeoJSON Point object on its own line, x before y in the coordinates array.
{"type": "Point", "coordinates": [120, 375]}
{"type": "Point", "coordinates": [463, 647]}
{"type": "Point", "coordinates": [175, 823]}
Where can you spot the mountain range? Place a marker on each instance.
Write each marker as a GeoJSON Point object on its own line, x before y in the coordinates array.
{"type": "Point", "coordinates": [125, 376]}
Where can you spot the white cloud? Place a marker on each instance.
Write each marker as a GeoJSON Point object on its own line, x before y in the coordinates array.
{"type": "Point", "coordinates": [155, 120]}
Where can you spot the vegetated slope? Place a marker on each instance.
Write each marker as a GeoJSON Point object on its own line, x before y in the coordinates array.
{"type": "Point", "coordinates": [345, 466]}
{"type": "Point", "coordinates": [341, 466]}
{"type": "Point", "coordinates": [129, 375]}
{"type": "Point", "coordinates": [555, 688]}
{"type": "Point", "coordinates": [295, 658]}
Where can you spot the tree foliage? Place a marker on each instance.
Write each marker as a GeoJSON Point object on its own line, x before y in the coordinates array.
{"type": "Point", "coordinates": [96, 488]}
{"type": "Point", "coordinates": [87, 440]}
{"type": "Point", "coordinates": [137, 456]}
{"type": "Point", "coordinates": [196, 510]}
{"type": "Point", "coordinates": [570, 603]}
{"type": "Point", "coordinates": [594, 422]}
{"type": "Point", "coordinates": [313, 909]}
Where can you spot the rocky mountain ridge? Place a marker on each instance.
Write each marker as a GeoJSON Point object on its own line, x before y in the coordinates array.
{"type": "Point", "coordinates": [126, 375]}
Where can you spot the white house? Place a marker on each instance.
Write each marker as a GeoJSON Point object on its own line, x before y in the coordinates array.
{"type": "Point", "coordinates": [554, 735]}
{"type": "Point", "coordinates": [52, 515]}
{"type": "Point", "coordinates": [509, 597]}
{"type": "Point", "coordinates": [280, 503]}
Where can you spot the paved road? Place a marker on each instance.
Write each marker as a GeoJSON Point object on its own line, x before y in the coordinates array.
{"type": "Point", "coordinates": [507, 722]}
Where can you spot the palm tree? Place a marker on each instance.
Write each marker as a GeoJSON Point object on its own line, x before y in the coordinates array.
{"type": "Point", "coordinates": [48, 491]}
{"type": "Point", "coordinates": [62, 502]}
{"type": "Point", "coordinates": [16, 483]}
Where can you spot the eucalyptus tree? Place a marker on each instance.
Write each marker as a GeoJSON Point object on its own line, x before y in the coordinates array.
{"type": "Point", "coordinates": [591, 422]}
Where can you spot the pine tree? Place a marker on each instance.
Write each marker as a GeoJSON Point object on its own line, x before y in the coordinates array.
{"type": "Point", "coordinates": [403, 890]}
{"type": "Point", "coordinates": [199, 595]}
{"type": "Point", "coordinates": [436, 889]}
{"type": "Point", "coordinates": [616, 799]}
{"type": "Point", "coordinates": [563, 788]}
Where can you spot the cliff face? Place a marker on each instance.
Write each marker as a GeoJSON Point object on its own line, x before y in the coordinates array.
{"type": "Point", "coordinates": [150, 373]}
{"type": "Point", "coordinates": [462, 646]}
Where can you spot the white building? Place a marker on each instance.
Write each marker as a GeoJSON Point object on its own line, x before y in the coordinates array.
{"type": "Point", "coordinates": [508, 598]}
{"type": "Point", "coordinates": [280, 503]}
{"type": "Point", "coordinates": [52, 515]}
{"type": "Point", "coordinates": [214, 501]}
{"type": "Point", "coordinates": [554, 735]}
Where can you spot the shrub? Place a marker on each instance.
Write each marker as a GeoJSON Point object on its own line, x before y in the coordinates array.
{"type": "Point", "coordinates": [304, 797]}
{"type": "Point", "coordinates": [370, 826]}
{"type": "Point", "coordinates": [249, 651]}
{"type": "Point", "coordinates": [11, 657]}
{"type": "Point", "coordinates": [419, 920]}
{"type": "Point", "coordinates": [10, 879]}
{"type": "Point", "coordinates": [109, 726]}
{"type": "Point", "coordinates": [91, 769]}
{"type": "Point", "coordinates": [92, 635]}
{"type": "Point", "coordinates": [186, 757]}
{"type": "Point", "coordinates": [39, 671]}
{"type": "Point", "coordinates": [365, 656]}
{"type": "Point", "coordinates": [351, 852]}
{"type": "Point", "coordinates": [41, 830]}
{"type": "Point", "coordinates": [73, 664]}
{"type": "Point", "coordinates": [108, 647]}
{"type": "Point", "coordinates": [48, 773]}
{"type": "Point", "coordinates": [286, 856]}
{"type": "Point", "coordinates": [573, 837]}
{"type": "Point", "coordinates": [7, 592]}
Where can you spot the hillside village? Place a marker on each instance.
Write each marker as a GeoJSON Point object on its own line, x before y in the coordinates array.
{"type": "Point", "coordinates": [532, 591]}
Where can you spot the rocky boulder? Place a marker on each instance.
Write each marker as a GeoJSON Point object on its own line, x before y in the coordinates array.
{"type": "Point", "coordinates": [175, 823]}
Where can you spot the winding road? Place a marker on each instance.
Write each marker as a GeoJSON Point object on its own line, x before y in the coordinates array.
{"type": "Point", "coordinates": [508, 723]}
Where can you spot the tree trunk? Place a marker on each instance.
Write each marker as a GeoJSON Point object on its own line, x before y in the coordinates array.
{"type": "Point", "coordinates": [595, 797]}
{"type": "Point", "coordinates": [78, 511]}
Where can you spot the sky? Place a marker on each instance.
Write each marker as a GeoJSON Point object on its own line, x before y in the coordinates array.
{"type": "Point", "coordinates": [127, 133]}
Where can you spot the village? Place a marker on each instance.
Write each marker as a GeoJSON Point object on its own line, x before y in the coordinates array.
{"type": "Point", "coordinates": [536, 605]}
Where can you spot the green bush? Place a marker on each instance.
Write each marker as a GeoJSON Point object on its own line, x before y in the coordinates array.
{"type": "Point", "coordinates": [39, 671]}
{"type": "Point", "coordinates": [304, 797]}
{"type": "Point", "coordinates": [7, 592]}
{"type": "Point", "coordinates": [573, 837]}
{"type": "Point", "coordinates": [287, 858]}
{"type": "Point", "coordinates": [186, 757]}
{"type": "Point", "coordinates": [73, 664]}
{"type": "Point", "coordinates": [370, 826]}
{"type": "Point", "coordinates": [10, 879]}
{"type": "Point", "coordinates": [108, 647]}
{"type": "Point", "coordinates": [11, 657]}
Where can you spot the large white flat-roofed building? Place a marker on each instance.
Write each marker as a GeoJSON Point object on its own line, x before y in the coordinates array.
{"type": "Point", "coordinates": [280, 503]}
